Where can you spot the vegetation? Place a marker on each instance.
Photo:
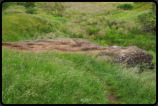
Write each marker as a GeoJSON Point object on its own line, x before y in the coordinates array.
{"type": "Point", "coordinates": [31, 11]}
{"type": "Point", "coordinates": [21, 3]}
{"type": "Point", "coordinates": [55, 8]}
{"type": "Point", "coordinates": [30, 7]}
{"type": "Point", "coordinates": [148, 20]}
{"type": "Point", "coordinates": [29, 4]}
{"type": "Point", "coordinates": [125, 6]}
{"type": "Point", "coordinates": [7, 4]}
{"type": "Point", "coordinates": [30, 78]}
{"type": "Point", "coordinates": [54, 78]}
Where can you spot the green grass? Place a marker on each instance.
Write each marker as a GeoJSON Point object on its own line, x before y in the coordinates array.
{"type": "Point", "coordinates": [142, 5]}
{"type": "Point", "coordinates": [24, 26]}
{"type": "Point", "coordinates": [50, 78]}
{"type": "Point", "coordinates": [53, 78]}
{"type": "Point", "coordinates": [55, 81]}
{"type": "Point", "coordinates": [154, 56]}
{"type": "Point", "coordinates": [5, 5]}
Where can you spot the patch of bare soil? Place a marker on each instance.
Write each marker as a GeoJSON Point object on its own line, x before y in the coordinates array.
{"type": "Point", "coordinates": [111, 99]}
{"type": "Point", "coordinates": [131, 55]}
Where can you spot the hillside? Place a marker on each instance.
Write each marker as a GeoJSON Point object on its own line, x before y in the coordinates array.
{"type": "Point", "coordinates": [55, 78]}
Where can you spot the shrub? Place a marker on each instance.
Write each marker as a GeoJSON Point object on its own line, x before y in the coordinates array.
{"type": "Point", "coordinates": [125, 6]}
{"type": "Point", "coordinates": [29, 4]}
{"type": "Point", "coordinates": [5, 5]}
{"type": "Point", "coordinates": [139, 28]}
{"type": "Point", "coordinates": [108, 11]}
{"type": "Point", "coordinates": [92, 31]}
{"type": "Point", "coordinates": [53, 8]}
{"type": "Point", "coordinates": [130, 26]}
{"type": "Point", "coordinates": [80, 36]}
{"type": "Point", "coordinates": [101, 34]}
{"type": "Point", "coordinates": [126, 32]}
{"type": "Point", "coordinates": [112, 22]}
{"type": "Point", "coordinates": [91, 22]}
{"type": "Point", "coordinates": [113, 27]}
{"type": "Point", "coordinates": [148, 20]}
{"type": "Point", "coordinates": [142, 66]}
{"type": "Point", "coordinates": [92, 37]}
{"type": "Point", "coordinates": [30, 7]}
{"type": "Point", "coordinates": [20, 3]}
{"type": "Point", "coordinates": [120, 30]}
{"type": "Point", "coordinates": [153, 9]}
{"type": "Point", "coordinates": [31, 11]}
{"type": "Point", "coordinates": [85, 36]}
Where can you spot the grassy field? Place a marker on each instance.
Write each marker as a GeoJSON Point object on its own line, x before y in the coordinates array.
{"type": "Point", "coordinates": [54, 78]}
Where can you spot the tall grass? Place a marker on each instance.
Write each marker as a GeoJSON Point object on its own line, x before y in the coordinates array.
{"type": "Point", "coordinates": [23, 27]}
{"type": "Point", "coordinates": [38, 78]}
{"type": "Point", "coordinates": [50, 78]}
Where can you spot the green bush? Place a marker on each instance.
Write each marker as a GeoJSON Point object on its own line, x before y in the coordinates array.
{"type": "Point", "coordinates": [20, 3]}
{"type": "Point", "coordinates": [5, 5]}
{"type": "Point", "coordinates": [153, 9]}
{"type": "Point", "coordinates": [80, 36]}
{"type": "Point", "coordinates": [31, 11]}
{"type": "Point", "coordinates": [55, 8]}
{"type": "Point", "coordinates": [148, 20]}
{"type": "Point", "coordinates": [30, 7]}
{"type": "Point", "coordinates": [125, 6]}
{"type": "Point", "coordinates": [29, 4]}
{"type": "Point", "coordinates": [92, 31]}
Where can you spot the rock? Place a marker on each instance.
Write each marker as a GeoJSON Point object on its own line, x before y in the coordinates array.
{"type": "Point", "coordinates": [131, 55]}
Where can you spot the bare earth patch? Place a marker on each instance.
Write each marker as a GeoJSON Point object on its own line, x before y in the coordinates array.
{"type": "Point", "coordinates": [112, 99]}
{"type": "Point", "coordinates": [131, 55]}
